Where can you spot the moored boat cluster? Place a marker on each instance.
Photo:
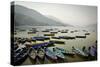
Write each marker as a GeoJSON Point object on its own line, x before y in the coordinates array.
{"type": "Point", "coordinates": [24, 48]}
{"type": "Point", "coordinates": [43, 47]}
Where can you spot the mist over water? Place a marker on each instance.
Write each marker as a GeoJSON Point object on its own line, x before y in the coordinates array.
{"type": "Point", "coordinates": [78, 43]}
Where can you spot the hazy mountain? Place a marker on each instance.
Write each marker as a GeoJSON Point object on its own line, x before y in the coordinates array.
{"type": "Point", "coordinates": [92, 25]}
{"type": "Point", "coordinates": [26, 16]}
{"type": "Point", "coordinates": [58, 20]}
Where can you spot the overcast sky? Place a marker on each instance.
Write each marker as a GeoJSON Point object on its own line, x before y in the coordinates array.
{"type": "Point", "coordinates": [71, 14]}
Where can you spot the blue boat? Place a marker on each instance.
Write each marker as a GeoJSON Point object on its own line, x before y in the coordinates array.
{"type": "Point", "coordinates": [38, 38]}
{"type": "Point", "coordinates": [20, 56]}
{"type": "Point", "coordinates": [40, 45]}
{"type": "Point", "coordinates": [58, 53]}
{"type": "Point", "coordinates": [50, 54]}
{"type": "Point", "coordinates": [61, 49]}
{"type": "Point", "coordinates": [46, 38]}
{"type": "Point", "coordinates": [66, 37]}
{"type": "Point", "coordinates": [79, 52]}
{"type": "Point", "coordinates": [45, 44]}
{"type": "Point", "coordinates": [65, 51]}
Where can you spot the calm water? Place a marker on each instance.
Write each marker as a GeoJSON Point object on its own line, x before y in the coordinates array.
{"type": "Point", "coordinates": [78, 42]}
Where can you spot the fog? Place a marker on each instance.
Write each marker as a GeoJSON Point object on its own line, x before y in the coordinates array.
{"type": "Point", "coordinates": [76, 15]}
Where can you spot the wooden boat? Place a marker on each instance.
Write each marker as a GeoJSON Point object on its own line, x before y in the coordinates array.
{"type": "Point", "coordinates": [50, 54]}
{"type": "Point", "coordinates": [46, 30]}
{"type": "Point", "coordinates": [40, 45]}
{"type": "Point", "coordinates": [37, 61]}
{"type": "Point", "coordinates": [61, 49]}
{"type": "Point", "coordinates": [49, 34]}
{"type": "Point", "coordinates": [38, 38]}
{"type": "Point", "coordinates": [28, 44]}
{"type": "Point", "coordinates": [20, 47]}
{"type": "Point", "coordinates": [45, 44]}
{"type": "Point", "coordinates": [79, 52]}
{"type": "Point", "coordinates": [50, 43]}
{"type": "Point", "coordinates": [22, 30]}
{"type": "Point", "coordinates": [87, 33]}
{"type": "Point", "coordinates": [71, 31]}
{"type": "Point", "coordinates": [54, 32]}
{"type": "Point", "coordinates": [33, 40]}
{"type": "Point", "coordinates": [75, 30]}
{"type": "Point", "coordinates": [58, 53]}
{"type": "Point", "coordinates": [55, 37]}
{"type": "Point", "coordinates": [32, 53]}
{"type": "Point", "coordinates": [17, 50]}
{"type": "Point", "coordinates": [65, 52]}
{"type": "Point", "coordinates": [66, 37]}
{"type": "Point", "coordinates": [64, 32]}
{"type": "Point", "coordinates": [69, 53]}
{"type": "Point", "coordinates": [31, 32]}
{"type": "Point", "coordinates": [15, 45]}
{"type": "Point", "coordinates": [20, 56]}
{"type": "Point", "coordinates": [57, 41]}
{"type": "Point", "coordinates": [46, 38]}
{"type": "Point", "coordinates": [80, 36]}
{"type": "Point", "coordinates": [40, 53]}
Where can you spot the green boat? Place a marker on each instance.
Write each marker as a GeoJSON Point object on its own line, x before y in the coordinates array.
{"type": "Point", "coordinates": [58, 53]}
{"type": "Point", "coordinates": [61, 49]}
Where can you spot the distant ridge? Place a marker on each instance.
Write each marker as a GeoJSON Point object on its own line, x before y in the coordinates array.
{"type": "Point", "coordinates": [25, 16]}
